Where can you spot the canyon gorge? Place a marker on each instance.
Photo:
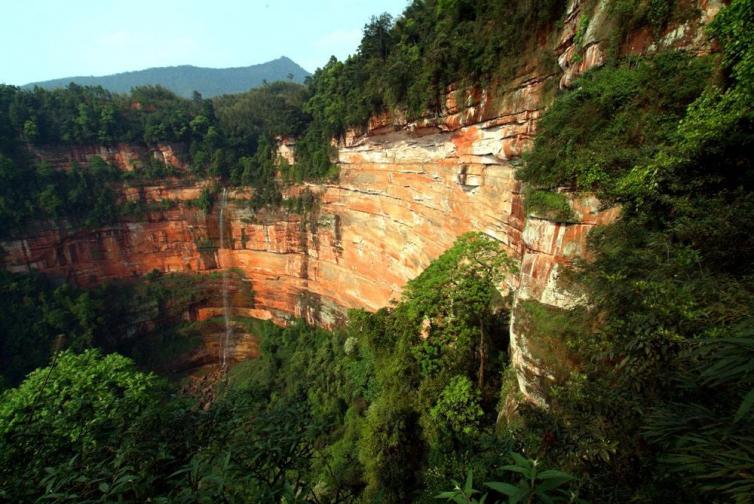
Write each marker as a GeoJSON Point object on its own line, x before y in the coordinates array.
{"type": "Point", "coordinates": [405, 191]}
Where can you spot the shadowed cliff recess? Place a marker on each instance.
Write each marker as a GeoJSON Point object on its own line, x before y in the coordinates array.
{"type": "Point", "coordinates": [500, 253]}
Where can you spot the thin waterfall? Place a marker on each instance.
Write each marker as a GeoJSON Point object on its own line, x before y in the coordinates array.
{"type": "Point", "coordinates": [226, 303]}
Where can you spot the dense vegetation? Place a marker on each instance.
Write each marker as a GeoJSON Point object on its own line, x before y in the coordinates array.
{"type": "Point", "coordinates": [230, 138]}
{"type": "Point", "coordinates": [184, 80]}
{"type": "Point", "coordinates": [40, 317]}
{"type": "Point", "coordinates": [374, 411]}
{"type": "Point", "coordinates": [35, 314]}
{"type": "Point", "coordinates": [408, 63]}
{"type": "Point", "coordinates": [658, 405]}
{"type": "Point", "coordinates": [616, 117]}
{"type": "Point", "coordinates": [652, 390]}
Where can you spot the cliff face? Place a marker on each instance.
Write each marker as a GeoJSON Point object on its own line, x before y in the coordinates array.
{"type": "Point", "coordinates": [126, 157]}
{"type": "Point", "coordinates": [406, 191]}
{"type": "Point", "coordinates": [400, 202]}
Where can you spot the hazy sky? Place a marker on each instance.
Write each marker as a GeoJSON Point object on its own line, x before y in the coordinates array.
{"type": "Point", "coordinates": [46, 39]}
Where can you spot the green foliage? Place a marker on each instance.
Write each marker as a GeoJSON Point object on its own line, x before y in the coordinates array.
{"type": "Point", "coordinates": [314, 157]}
{"type": "Point", "coordinates": [665, 277]}
{"type": "Point", "coordinates": [549, 205]}
{"type": "Point", "coordinates": [87, 425]}
{"type": "Point", "coordinates": [41, 317]}
{"type": "Point", "coordinates": [117, 389]}
{"type": "Point", "coordinates": [457, 296]}
{"type": "Point", "coordinates": [409, 62]}
{"type": "Point", "coordinates": [273, 109]}
{"type": "Point", "coordinates": [462, 282]}
{"type": "Point", "coordinates": [262, 169]}
{"type": "Point", "coordinates": [613, 119]}
{"type": "Point", "coordinates": [658, 14]}
{"type": "Point", "coordinates": [630, 16]}
{"type": "Point", "coordinates": [161, 299]}
{"type": "Point", "coordinates": [319, 415]}
{"type": "Point", "coordinates": [206, 199]}
{"type": "Point", "coordinates": [231, 138]}
{"type": "Point", "coordinates": [153, 169]}
{"type": "Point", "coordinates": [463, 494]}
{"type": "Point", "coordinates": [706, 431]}
{"type": "Point", "coordinates": [390, 449]}
{"type": "Point", "coordinates": [534, 485]}
{"type": "Point", "coordinates": [368, 416]}
{"type": "Point", "coordinates": [38, 318]}
{"type": "Point", "coordinates": [299, 389]}
{"type": "Point", "coordinates": [649, 384]}
{"type": "Point", "coordinates": [553, 336]}
{"type": "Point", "coordinates": [578, 38]}
{"type": "Point", "coordinates": [84, 196]}
{"type": "Point", "coordinates": [457, 410]}
{"type": "Point", "coordinates": [244, 455]}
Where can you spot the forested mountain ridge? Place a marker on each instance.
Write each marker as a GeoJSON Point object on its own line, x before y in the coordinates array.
{"type": "Point", "coordinates": [545, 209]}
{"type": "Point", "coordinates": [185, 79]}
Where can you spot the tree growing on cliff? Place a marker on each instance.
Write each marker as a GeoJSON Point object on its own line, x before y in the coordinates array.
{"type": "Point", "coordinates": [462, 289]}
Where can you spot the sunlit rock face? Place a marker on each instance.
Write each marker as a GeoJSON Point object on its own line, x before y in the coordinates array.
{"type": "Point", "coordinates": [403, 197]}
{"type": "Point", "coordinates": [406, 191]}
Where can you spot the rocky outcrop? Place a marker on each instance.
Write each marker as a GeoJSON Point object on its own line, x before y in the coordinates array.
{"type": "Point", "coordinates": [286, 148]}
{"type": "Point", "coordinates": [406, 191]}
{"type": "Point", "coordinates": [127, 157]}
{"type": "Point", "coordinates": [549, 249]}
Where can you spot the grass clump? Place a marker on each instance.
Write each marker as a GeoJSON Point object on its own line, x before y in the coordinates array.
{"type": "Point", "coordinates": [549, 205]}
